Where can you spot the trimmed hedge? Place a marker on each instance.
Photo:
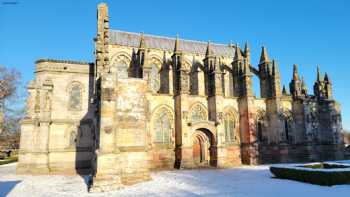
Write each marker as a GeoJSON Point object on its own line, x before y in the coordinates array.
{"type": "Point", "coordinates": [313, 176]}
{"type": "Point", "coordinates": [324, 166]}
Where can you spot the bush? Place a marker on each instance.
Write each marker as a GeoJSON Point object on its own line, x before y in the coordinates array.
{"type": "Point", "coordinates": [325, 176]}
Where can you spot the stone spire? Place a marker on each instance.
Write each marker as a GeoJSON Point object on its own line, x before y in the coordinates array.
{"type": "Point", "coordinates": [141, 58]}
{"type": "Point", "coordinates": [275, 70]}
{"type": "Point", "coordinates": [246, 67]}
{"type": "Point", "coordinates": [275, 80]}
{"type": "Point", "coordinates": [210, 59]}
{"type": "Point", "coordinates": [142, 42]}
{"type": "Point", "coordinates": [326, 78]}
{"type": "Point", "coordinates": [177, 44]}
{"type": "Point", "coordinates": [238, 54]}
{"type": "Point", "coordinates": [247, 51]}
{"type": "Point", "coordinates": [295, 73]}
{"type": "Point", "coordinates": [264, 57]}
{"type": "Point", "coordinates": [265, 72]}
{"type": "Point", "coordinates": [317, 84]}
{"type": "Point", "coordinates": [216, 78]}
{"type": "Point", "coordinates": [295, 84]}
{"type": "Point", "coordinates": [209, 51]}
{"type": "Point", "coordinates": [328, 87]}
{"type": "Point", "coordinates": [319, 78]}
{"type": "Point", "coordinates": [247, 86]}
{"type": "Point", "coordinates": [322, 86]}
{"type": "Point", "coordinates": [180, 74]}
{"type": "Point", "coordinates": [237, 70]}
{"type": "Point", "coordinates": [303, 86]}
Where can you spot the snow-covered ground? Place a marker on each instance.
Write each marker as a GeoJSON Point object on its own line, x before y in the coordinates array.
{"type": "Point", "coordinates": [246, 181]}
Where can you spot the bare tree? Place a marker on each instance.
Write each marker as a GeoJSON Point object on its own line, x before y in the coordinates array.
{"type": "Point", "coordinates": [9, 83]}
{"type": "Point", "coordinates": [9, 80]}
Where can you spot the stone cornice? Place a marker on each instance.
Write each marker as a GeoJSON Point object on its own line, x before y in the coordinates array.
{"type": "Point", "coordinates": [61, 61]}
{"type": "Point", "coordinates": [62, 66]}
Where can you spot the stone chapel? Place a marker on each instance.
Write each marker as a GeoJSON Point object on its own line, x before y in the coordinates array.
{"type": "Point", "coordinates": [150, 102]}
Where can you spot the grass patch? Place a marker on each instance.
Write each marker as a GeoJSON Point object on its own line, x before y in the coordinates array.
{"type": "Point", "coordinates": [8, 160]}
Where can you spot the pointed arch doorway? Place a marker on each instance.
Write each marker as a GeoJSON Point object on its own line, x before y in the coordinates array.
{"type": "Point", "coordinates": [204, 148]}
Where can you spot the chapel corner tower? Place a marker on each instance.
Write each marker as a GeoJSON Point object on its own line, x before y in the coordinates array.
{"type": "Point", "coordinates": [122, 119]}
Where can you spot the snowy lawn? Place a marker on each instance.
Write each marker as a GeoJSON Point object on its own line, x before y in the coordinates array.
{"type": "Point", "coordinates": [243, 181]}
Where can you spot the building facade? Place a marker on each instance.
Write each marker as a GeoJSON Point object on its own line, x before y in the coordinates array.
{"type": "Point", "coordinates": [151, 102]}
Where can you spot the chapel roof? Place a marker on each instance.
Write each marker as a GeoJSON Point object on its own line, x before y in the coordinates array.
{"type": "Point", "coordinates": [132, 39]}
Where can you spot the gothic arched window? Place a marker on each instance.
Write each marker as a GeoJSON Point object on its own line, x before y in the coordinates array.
{"type": "Point", "coordinates": [75, 97]}
{"type": "Point", "coordinates": [165, 79]}
{"type": "Point", "coordinates": [194, 78]}
{"type": "Point", "coordinates": [230, 84]}
{"type": "Point", "coordinates": [260, 126]}
{"type": "Point", "coordinates": [286, 129]}
{"type": "Point", "coordinates": [287, 125]}
{"type": "Point", "coordinates": [162, 127]}
{"type": "Point", "coordinates": [123, 66]}
{"type": "Point", "coordinates": [154, 78]}
{"type": "Point", "coordinates": [122, 70]}
{"type": "Point", "coordinates": [287, 120]}
{"type": "Point", "coordinates": [230, 128]}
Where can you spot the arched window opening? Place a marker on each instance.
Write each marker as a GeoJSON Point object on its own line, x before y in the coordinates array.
{"type": "Point", "coordinates": [230, 84]}
{"type": "Point", "coordinates": [164, 79]}
{"type": "Point", "coordinates": [287, 120]}
{"type": "Point", "coordinates": [154, 79]}
{"type": "Point", "coordinates": [286, 129]}
{"type": "Point", "coordinates": [261, 126]}
{"type": "Point", "coordinates": [162, 127]}
{"type": "Point", "coordinates": [75, 95]}
{"type": "Point", "coordinates": [227, 82]}
{"type": "Point", "coordinates": [122, 70]}
{"type": "Point", "coordinates": [224, 83]}
{"type": "Point", "coordinates": [194, 88]}
{"type": "Point", "coordinates": [230, 128]}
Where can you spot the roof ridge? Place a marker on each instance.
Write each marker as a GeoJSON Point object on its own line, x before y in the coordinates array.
{"type": "Point", "coordinates": [171, 38]}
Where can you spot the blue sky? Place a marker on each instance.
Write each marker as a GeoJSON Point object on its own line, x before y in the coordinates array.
{"type": "Point", "coordinates": [307, 33]}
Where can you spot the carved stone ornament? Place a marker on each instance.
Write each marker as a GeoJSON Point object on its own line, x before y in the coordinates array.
{"type": "Point", "coordinates": [185, 115]}
{"type": "Point", "coordinates": [220, 116]}
{"type": "Point", "coordinates": [108, 94]}
{"type": "Point", "coordinates": [108, 129]}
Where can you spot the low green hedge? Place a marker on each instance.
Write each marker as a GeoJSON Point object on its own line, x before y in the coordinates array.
{"type": "Point", "coordinates": [8, 160]}
{"type": "Point", "coordinates": [314, 176]}
{"type": "Point", "coordinates": [324, 166]}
